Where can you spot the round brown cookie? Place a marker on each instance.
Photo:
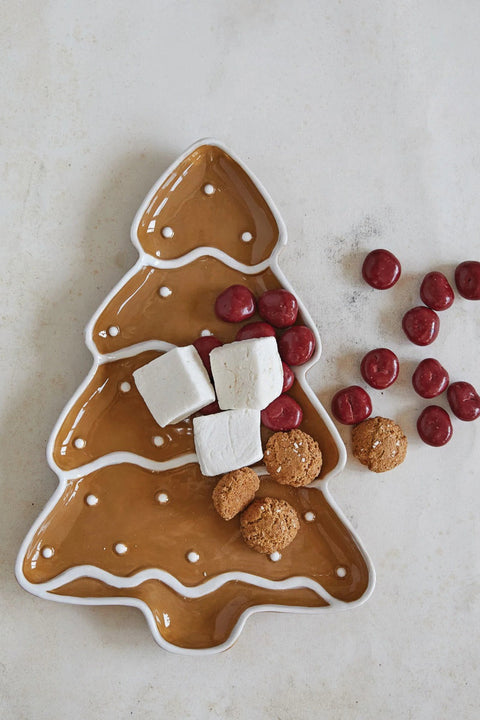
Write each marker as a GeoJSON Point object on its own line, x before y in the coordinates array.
{"type": "Point", "coordinates": [293, 458]}
{"type": "Point", "coordinates": [379, 443]}
{"type": "Point", "coordinates": [234, 491]}
{"type": "Point", "coordinates": [269, 524]}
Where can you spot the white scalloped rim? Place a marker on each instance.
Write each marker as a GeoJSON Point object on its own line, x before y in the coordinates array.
{"type": "Point", "coordinates": [44, 590]}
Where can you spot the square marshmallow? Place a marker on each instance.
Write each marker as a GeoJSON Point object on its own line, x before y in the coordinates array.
{"type": "Point", "coordinates": [174, 385]}
{"type": "Point", "coordinates": [227, 440]}
{"type": "Point", "coordinates": [247, 374]}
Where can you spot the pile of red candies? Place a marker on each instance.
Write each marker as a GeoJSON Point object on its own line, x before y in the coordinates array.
{"type": "Point", "coordinates": [296, 343]}
{"type": "Point", "coordinates": [421, 325]}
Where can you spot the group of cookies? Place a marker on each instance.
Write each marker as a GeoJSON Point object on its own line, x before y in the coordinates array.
{"type": "Point", "coordinates": [267, 524]}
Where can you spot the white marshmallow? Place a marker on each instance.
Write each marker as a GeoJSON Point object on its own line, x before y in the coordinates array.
{"type": "Point", "coordinates": [227, 440]}
{"type": "Point", "coordinates": [174, 385]}
{"type": "Point", "coordinates": [247, 374]}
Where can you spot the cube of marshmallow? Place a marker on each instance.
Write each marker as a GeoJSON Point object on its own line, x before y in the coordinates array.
{"type": "Point", "coordinates": [174, 385]}
{"type": "Point", "coordinates": [247, 374]}
{"type": "Point", "coordinates": [227, 440]}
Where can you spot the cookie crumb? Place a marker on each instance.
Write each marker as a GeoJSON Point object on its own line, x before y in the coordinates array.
{"type": "Point", "coordinates": [284, 462]}
{"type": "Point", "coordinates": [379, 443]}
{"type": "Point", "coordinates": [234, 491]}
{"type": "Point", "coordinates": [268, 525]}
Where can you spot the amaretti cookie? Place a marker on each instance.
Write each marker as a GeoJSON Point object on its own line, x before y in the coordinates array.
{"type": "Point", "coordinates": [293, 458]}
{"type": "Point", "coordinates": [234, 491]}
{"type": "Point", "coordinates": [269, 524]}
{"type": "Point", "coordinates": [379, 443]}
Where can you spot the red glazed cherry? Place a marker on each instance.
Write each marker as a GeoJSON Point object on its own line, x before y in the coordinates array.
{"type": "Point", "coordinates": [464, 401]}
{"type": "Point", "coordinates": [297, 345]}
{"type": "Point", "coordinates": [288, 377]}
{"type": "Point", "coordinates": [379, 368]}
{"type": "Point", "coordinates": [278, 307]}
{"type": "Point", "coordinates": [381, 269]}
{"type": "Point", "coordinates": [436, 292]}
{"type": "Point", "coordinates": [421, 325]}
{"type": "Point", "coordinates": [434, 426]}
{"type": "Point", "coordinates": [282, 414]}
{"type": "Point", "coordinates": [467, 279]}
{"type": "Point", "coordinates": [430, 378]}
{"type": "Point", "coordinates": [351, 405]}
{"type": "Point", "coordinates": [235, 304]}
{"type": "Point", "coordinates": [204, 345]}
{"type": "Point", "coordinates": [255, 330]}
{"type": "Point", "coordinates": [210, 409]}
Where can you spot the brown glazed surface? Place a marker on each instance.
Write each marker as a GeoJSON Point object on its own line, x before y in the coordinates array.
{"type": "Point", "coordinates": [217, 220]}
{"type": "Point", "coordinates": [160, 535]}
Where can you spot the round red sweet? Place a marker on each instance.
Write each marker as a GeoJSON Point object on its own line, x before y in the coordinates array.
{"type": "Point", "coordinates": [379, 368]}
{"type": "Point", "coordinates": [430, 378]}
{"type": "Point", "coordinates": [381, 269]}
{"type": "Point", "coordinates": [288, 377]}
{"type": "Point", "coordinates": [351, 405]}
{"type": "Point", "coordinates": [421, 325]}
{"type": "Point", "coordinates": [434, 426]}
{"type": "Point", "coordinates": [464, 401]}
{"type": "Point", "coordinates": [210, 409]}
{"type": "Point", "coordinates": [255, 330]}
{"type": "Point", "coordinates": [204, 345]}
{"type": "Point", "coordinates": [235, 304]}
{"type": "Point", "coordinates": [467, 279]}
{"type": "Point", "coordinates": [278, 307]}
{"type": "Point", "coordinates": [297, 345]}
{"type": "Point", "coordinates": [283, 414]}
{"type": "Point", "coordinates": [436, 292]}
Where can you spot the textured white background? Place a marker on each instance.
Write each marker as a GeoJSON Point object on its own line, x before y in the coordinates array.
{"type": "Point", "coordinates": [362, 120]}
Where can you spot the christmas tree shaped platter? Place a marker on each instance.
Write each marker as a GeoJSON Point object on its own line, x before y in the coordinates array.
{"type": "Point", "coordinates": [132, 520]}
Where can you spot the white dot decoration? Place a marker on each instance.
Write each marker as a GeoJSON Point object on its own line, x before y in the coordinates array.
{"type": "Point", "coordinates": [79, 443]}
{"type": "Point", "coordinates": [208, 189]}
{"type": "Point", "coordinates": [157, 253]}
{"type": "Point", "coordinates": [341, 572]}
{"type": "Point", "coordinates": [247, 236]}
{"type": "Point", "coordinates": [167, 232]}
{"type": "Point", "coordinates": [125, 386]}
{"type": "Point", "coordinates": [206, 333]}
{"type": "Point", "coordinates": [113, 331]}
{"type": "Point", "coordinates": [91, 500]}
{"type": "Point", "coordinates": [275, 556]}
{"type": "Point", "coordinates": [120, 548]}
{"type": "Point", "coordinates": [158, 440]}
{"type": "Point", "coordinates": [47, 552]}
{"type": "Point", "coordinates": [162, 498]}
{"type": "Point", "coordinates": [309, 516]}
{"type": "Point", "coordinates": [164, 291]}
{"type": "Point", "coordinates": [193, 557]}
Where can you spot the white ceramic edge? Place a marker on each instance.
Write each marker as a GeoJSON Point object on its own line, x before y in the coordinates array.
{"type": "Point", "coordinates": [43, 590]}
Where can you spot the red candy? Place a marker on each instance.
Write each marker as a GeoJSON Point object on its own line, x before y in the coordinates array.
{"type": "Point", "coordinates": [421, 325]}
{"type": "Point", "coordinates": [464, 401]}
{"type": "Point", "coordinates": [467, 279]}
{"type": "Point", "coordinates": [436, 292]}
{"type": "Point", "coordinates": [255, 330]}
{"type": "Point", "coordinates": [282, 414]}
{"type": "Point", "coordinates": [211, 408]}
{"type": "Point", "coordinates": [278, 307]}
{"type": "Point", "coordinates": [288, 377]}
{"type": "Point", "coordinates": [297, 345]}
{"type": "Point", "coordinates": [204, 345]}
{"type": "Point", "coordinates": [430, 378]}
{"type": "Point", "coordinates": [434, 426]}
{"type": "Point", "coordinates": [235, 304]}
{"type": "Point", "coordinates": [381, 269]}
{"type": "Point", "coordinates": [351, 405]}
{"type": "Point", "coordinates": [379, 368]}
